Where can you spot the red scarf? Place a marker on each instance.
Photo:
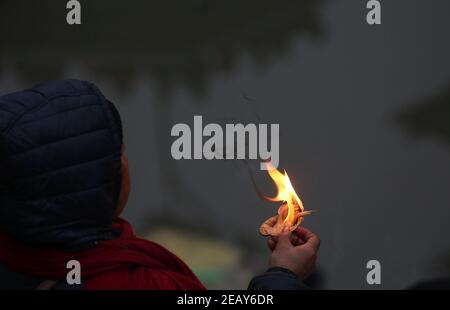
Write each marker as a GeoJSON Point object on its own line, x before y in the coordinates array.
{"type": "Point", "coordinates": [127, 262]}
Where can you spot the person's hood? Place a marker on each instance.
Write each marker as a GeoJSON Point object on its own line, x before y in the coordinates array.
{"type": "Point", "coordinates": [60, 148]}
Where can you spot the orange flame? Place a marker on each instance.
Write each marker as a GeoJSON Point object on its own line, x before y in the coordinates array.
{"type": "Point", "coordinates": [285, 194]}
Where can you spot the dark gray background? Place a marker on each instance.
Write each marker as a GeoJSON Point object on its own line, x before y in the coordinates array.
{"type": "Point", "coordinates": [363, 112]}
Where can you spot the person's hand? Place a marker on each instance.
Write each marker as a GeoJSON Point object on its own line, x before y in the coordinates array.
{"type": "Point", "coordinates": [295, 237]}
{"type": "Point", "coordinates": [296, 251]}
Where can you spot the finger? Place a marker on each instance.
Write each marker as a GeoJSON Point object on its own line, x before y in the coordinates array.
{"type": "Point", "coordinates": [271, 244]}
{"type": "Point", "coordinates": [295, 240]}
{"type": "Point", "coordinates": [308, 237]}
{"type": "Point", "coordinates": [284, 240]}
{"type": "Point", "coordinates": [312, 240]}
{"type": "Point", "coordinates": [302, 232]}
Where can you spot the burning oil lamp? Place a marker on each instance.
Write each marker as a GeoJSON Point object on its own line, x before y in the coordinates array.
{"type": "Point", "coordinates": [290, 213]}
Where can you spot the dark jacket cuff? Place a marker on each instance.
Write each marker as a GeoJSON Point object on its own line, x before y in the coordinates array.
{"type": "Point", "coordinates": [277, 278]}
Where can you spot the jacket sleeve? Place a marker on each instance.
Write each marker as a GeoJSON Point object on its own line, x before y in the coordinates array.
{"type": "Point", "coordinates": [277, 278]}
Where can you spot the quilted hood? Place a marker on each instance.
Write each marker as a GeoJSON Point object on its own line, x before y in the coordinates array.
{"type": "Point", "coordinates": [60, 148]}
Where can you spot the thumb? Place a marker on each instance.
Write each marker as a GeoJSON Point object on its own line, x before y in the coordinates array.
{"type": "Point", "coordinates": [284, 240]}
